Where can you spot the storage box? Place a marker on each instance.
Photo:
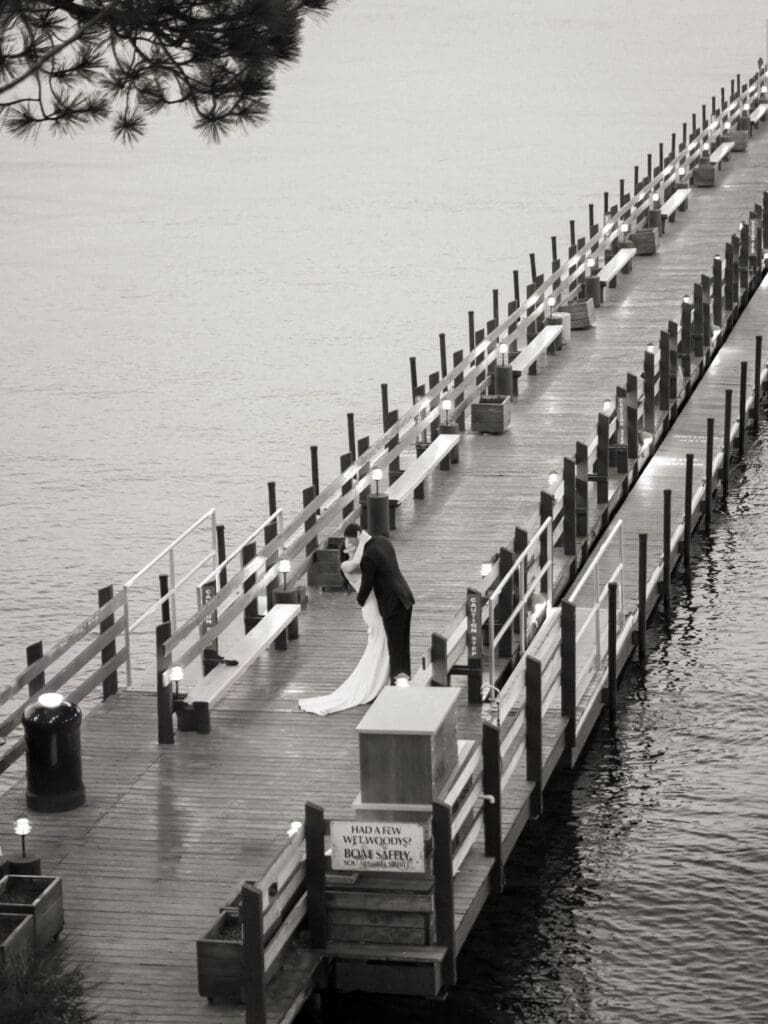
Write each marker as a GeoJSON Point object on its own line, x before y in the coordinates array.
{"type": "Point", "coordinates": [408, 744]}
{"type": "Point", "coordinates": [582, 314]}
{"type": "Point", "coordinates": [645, 240]}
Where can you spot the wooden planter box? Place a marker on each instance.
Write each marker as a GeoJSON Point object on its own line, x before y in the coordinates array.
{"type": "Point", "coordinates": [325, 568]}
{"type": "Point", "coordinates": [220, 958]}
{"type": "Point", "coordinates": [17, 941]}
{"type": "Point", "coordinates": [492, 414]}
{"type": "Point", "coordinates": [704, 175]}
{"type": "Point", "coordinates": [38, 895]}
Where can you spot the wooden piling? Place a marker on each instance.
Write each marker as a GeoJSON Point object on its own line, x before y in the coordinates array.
{"type": "Point", "coordinates": [743, 409]}
{"type": "Point", "coordinates": [221, 555]}
{"type": "Point", "coordinates": [568, 670]}
{"type": "Point", "coordinates": [649, 389]}
{"type": "Point", "coordinates": [254, 975]}
{"type": "Point", "coordinates": [443, 357]}
{"type": "Point", "coordinates": [758, 390]}
{"type": "Point", "coordinates": [165, 607]}
{"type": "Point", "coordinates": [603, 443]}
{"type": "Point", "coordinates": [443, 890]}
{"type": "Point", "coordinates": [533, 734]}
{"type": "Point", "coordinates": [667, 566]}
{"type": "Point", "coordinates": [315, 469]}
{"type": "Point", "coordinates": [314, 839]}
{"type": "Point", "coordinates": [687, 516]}
{"type": "Point", "coordinates": [351, 442]}
{"type": "Point", "coordinates": [491, 751]}
{"type": "Point", "coordinates": [612, 636]}
{"type": "Point", "coordinates": [109, 650]}
{"type": "Point", "coordinates": [709, 473]}
{"type": "Point", "coordinates": [569, 507]}
{"type": "Point", "coordinates": [34, 652]}
{"type": "Point", "coordinates": [642, 595]}
{"type": "Point", "coordinates": [726, 445]}
{"type": "Point", "coordinates": [165, 732]}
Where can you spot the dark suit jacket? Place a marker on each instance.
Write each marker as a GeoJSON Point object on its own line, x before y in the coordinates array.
{"type": "Point", "coordinates": [381, 573]}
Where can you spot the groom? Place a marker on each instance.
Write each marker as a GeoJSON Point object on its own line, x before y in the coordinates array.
{"type": "Point", "coordinates": [381, 573]}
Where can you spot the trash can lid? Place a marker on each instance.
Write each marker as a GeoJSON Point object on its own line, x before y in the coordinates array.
{"type": "Point", "coordinates": [50, 711]}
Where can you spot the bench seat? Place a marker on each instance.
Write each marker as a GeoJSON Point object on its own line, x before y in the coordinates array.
{"type": "Point", "coordinates": [678, 200]}
{"type": "Point", "coordinates": [418, 471]}
{"type": "Point", "coordinates": [621, 261]}
{"type": "Point", "coordinates": [722, 152]}
{"type": "Point", "coordinates": [292, 986]}
{"type": "Point", "coordinates": [758, 113]}
{"type": "Point", "coordinates": [545, 340]}
{"type": "Point", "coordinates": [206, 691]}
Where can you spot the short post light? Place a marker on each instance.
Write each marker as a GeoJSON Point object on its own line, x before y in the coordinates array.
{"type": "Point", "coordinates": [607, 406]}
{"type": "Point", "coordinates": [22, 827]}
{"type": "Point", "coordinates": [552, 479]}
{"type": "Point", "coordinates": [446, 405]}
{"type": "Point", "coordinates": [485, 570]}
{"type": "Point", "coordinates": [591, 264]}
{"type": "Point", "coordinates": [503, 353]}
{"type": "Point", "coordinates": [377, 475]}
{"type": "Point", "coordinates": [686, 300]}
{"type": "Point", "coordinates": [176, 675]}
{"type": "Point", "coordinates": [284, 567]}
{"type": "Point", "coordinates": [655, 198]}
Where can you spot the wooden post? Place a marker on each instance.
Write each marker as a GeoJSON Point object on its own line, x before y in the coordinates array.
{"type": "Point", "coordinates": [727, 445]}
{"type": "Point", "coordinates": [729, 296]}
{"type": "Point", "coordinates": [664, 372]}
{"type": "Point", "coordinates": [384, 407]}
{"type": "Point", "coordinates": [582, 489]}
{"type": "Point", "coordinates": [687, 516]}
{"type": "Point", "coordinates": [491, 748]}
{"type": "Point", "coordinates": [363, 444]}
{"type": "Point", "coordinates": [533, 734]}
{"type": "Point", "coordinates": [251, 616]}
{"type": "Point", "coordinates": [315, 470]}
{"type": "Point", "coordinates": [307, 497]}
{"type": "Point", "coordinates": [394, 465]}
{"type": "Point", "coordinates": [649, 390]}
{"type": "Point", "coordinates": [254, 982]}
{"type": "Point", "coordinates": [34, 653]}
{"type": "Point", "coordinates": [717, 291]}
{"type": "Point", "coordinates": [351, 442]}
{"type": "Point", "coordinates": [708, 483]}
{"type": "Point", "coordinates": [164, 686]}
{"type": "Point", "coordinates": [568, 670]}
{"type": "Point", "coordinates": [758, 389]}
{"type": "Point", "coordinates": [345, 461]}
{"type": "Point", "coordinates": [743, 409]}
{"type": "Point", "coordinates": [696, 314]}
{"type": "Point", "coordinates": [633, 449]}
{"type": "Point", "coordinates": [474, 607]}
{"type": "Point", "coordinates": [496, 305]}
{"type": "Point", "coordinates": [314, 840]}
{"type": "Point", "coordinates": [165, 607]}
{"type": "Point", "coordinates": [603, 443]}
{"type": "Point", "coordinates": [109, 650]}
{"type": "Point", "coordinates": [569, 507]}
{"type": "Point", "coordinates": [221, 554]}
{"type": "Point", "coordinates": [612, 634]}
{"type": "Point", "coordinates": [443, 358]}
{"type": "Point", "coordinates": [458, 397]}
{"type": "Point", "coordinates": [443, 874]}
{"type": "Point", "coordinates": [642, 595]}
{"type": "Point", "coordinates": [270, 532]}
{"type": "Point", "coordinates": [667, 567]}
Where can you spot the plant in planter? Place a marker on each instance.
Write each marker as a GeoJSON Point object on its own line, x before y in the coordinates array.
{"type": "Point", "coordinates": [38, 895]}
{"type": "Point", "coordinates": [48, 991]}
{"type": "Point", "coordinates": [220, 958]}
{"type": "Point", "coordinates": [17, 941]}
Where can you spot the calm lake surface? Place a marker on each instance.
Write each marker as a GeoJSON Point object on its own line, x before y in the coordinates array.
{"type": "Point", "coordinates": [180, 322]}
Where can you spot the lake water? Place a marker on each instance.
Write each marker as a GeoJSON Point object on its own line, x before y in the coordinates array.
{"type": "Point", "coordinates": [181, 321]}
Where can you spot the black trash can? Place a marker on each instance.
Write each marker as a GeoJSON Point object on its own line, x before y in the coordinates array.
{"type": "Point", "coordinates": [54, 765]}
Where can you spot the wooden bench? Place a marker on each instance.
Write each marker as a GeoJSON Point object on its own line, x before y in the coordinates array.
{"type": "Point", "coordinates": [677, 201]}
{"type": "Point", "coordinates": [622, 261]}
{"type": "Point", "coordinates": [722, 152]}
{"type": "Point", "coordinates": [545, 341]}
{"type": "Point", "coordinates": [193, 713]}
{"type": "Point", "coordinates": [411, 480]}
{"type": "Point", "coordinates": [759, 113]}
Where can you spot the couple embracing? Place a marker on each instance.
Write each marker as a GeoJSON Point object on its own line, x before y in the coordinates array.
{"type": "Point", "coordinates": [387, 603]}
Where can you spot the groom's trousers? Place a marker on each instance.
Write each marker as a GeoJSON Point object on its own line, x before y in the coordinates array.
{"type": "Point", "coordinates": [398, 629]}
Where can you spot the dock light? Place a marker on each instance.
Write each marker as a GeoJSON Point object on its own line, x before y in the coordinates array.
{"type": "Point", "coordinates": [727, 126]}
{"type": "Point", "coordinates": [624, 227]}
{"type": "Point", "coordinates": [651, 349]}
{"type": "Point", "coordinates": [551, 302]}
{"type": "Point", "coordinates": [293, 828]}
{"type": "Point", "coordinates": [655, 197]}
{"type": "Point", "coordinates": [764, 89]}
{"type": "Point", "coordinates": [485, 569]}
{"type": "Point", "coordinates": [745, 109]}
{"type": "Point", "coordinates": [284, 567]}
{"type": "Point", "coordinates": [687, 300]}
{"type": "Point", "coordinates": [552, 479]}
{"type": "Point", "coordinates": [681, 171]}
{"type": "Point", "coordinates": [377, 475]}
{"type": "Point", "coordinates": [607, 406]}
{"type": "Point", "coordinates": [503, 350]}
{"type": "Point", "coordinates": [706, 149]}
{"type": "Point", "coordinates": [176, 675]}
{"type": "Point", "coordinates": [446, 405]}
{"type": "Point", "coordinates": [22, 827]}
{"type": "Point", "coordinates": [50, 700]}
{"type": "Point", "coordinates": [591, 263]}
{"type": "Point", "coordinates": [718, 258]}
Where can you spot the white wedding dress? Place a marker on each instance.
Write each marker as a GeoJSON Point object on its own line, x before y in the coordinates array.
{"type": "Point", "coordinates": [371, 674]}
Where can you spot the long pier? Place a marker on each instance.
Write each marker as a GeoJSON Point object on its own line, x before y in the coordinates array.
{"type": "Point", "coordinates": [541, 522]}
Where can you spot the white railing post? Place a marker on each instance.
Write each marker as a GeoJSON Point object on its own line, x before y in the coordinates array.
{"type": "Point", "coordinates": [127, 641]}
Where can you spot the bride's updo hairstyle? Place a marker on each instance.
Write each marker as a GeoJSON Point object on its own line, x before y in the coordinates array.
{"type": "Point", "coordinates": [352, 530]}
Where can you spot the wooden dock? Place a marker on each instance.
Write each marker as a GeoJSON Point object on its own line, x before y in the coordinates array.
{"type": "Point", "coordinates": [169, 831]}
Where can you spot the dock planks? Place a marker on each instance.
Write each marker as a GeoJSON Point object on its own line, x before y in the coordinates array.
{"type": "Point", "coordinates": [168, 833]}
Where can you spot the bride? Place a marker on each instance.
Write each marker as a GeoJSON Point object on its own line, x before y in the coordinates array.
{"type": "Point", "coordinates": [371, 674]}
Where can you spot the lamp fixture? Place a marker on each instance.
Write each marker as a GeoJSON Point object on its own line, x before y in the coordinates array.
{"type": "Point", "coordinates": [284, 567]}
{"type": "Point", "coordinates": [377, 475]}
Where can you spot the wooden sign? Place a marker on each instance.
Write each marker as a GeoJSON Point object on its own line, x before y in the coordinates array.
{"type": "Point", "coordinates": [474, 629]}
{"type": "Point", "coordinates": [206, 593]}
{"type": "Point", "coordinates": [621, 421]}
{"type": "Point", "coordinates": [377, 846]}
